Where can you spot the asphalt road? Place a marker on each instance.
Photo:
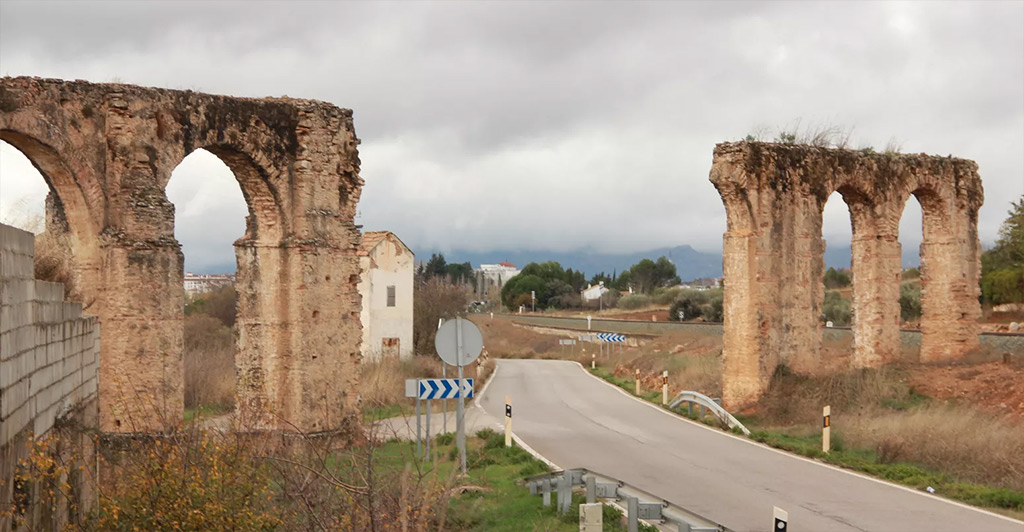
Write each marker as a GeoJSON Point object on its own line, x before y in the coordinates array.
{"type": "Point", "coordinates": [577, 420]}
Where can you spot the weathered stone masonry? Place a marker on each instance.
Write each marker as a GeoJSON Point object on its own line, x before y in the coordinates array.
{"type": "Point", "coordinates": [774, 196]}
{"type": "Point", "coordinates": [107, 152]}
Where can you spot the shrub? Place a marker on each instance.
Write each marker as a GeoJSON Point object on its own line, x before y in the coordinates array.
{"type": "Point", "coordinates": [689, 307]}
{"type": "Point", "coordinates": [220, 303]}
{"type": "Point", "coordinates": [836, 278]}
{"type": "Point", "coordinates": [911, 273]}
{"type": "Point", "coordinates": [837, 309]}
{"type": "Point", "coordinates": [667, 296]}
{"type": "Point", "coordinates": [910, 301]}
{"type": "Point", "coordinates": [192, 483]}
{"type": "Point", "coordinates": [634, 301]}
{"type": "Point", "coordinates": [714, 311]}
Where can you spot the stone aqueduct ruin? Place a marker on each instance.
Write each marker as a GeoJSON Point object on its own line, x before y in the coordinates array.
{"type": "Point", "coordinates": [774, 197]}
{"type": "Point", "coordinates": [107, 152]}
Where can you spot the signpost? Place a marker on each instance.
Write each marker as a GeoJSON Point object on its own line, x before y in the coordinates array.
{"type": "Point", "coordinates": [459, 342]}
{"type": "Point", "coordinates": [445, 389]}
{"type": "Point", "coordinates": [826, 429]}
{"type": "Point", "coordinates": [610, 338]}
{"type": "Point", "coordinates": [564, 342]}
{"type": "Point", "coordinates": [508, 421]}
{"type": "Point", "coordinates": [781, 519]}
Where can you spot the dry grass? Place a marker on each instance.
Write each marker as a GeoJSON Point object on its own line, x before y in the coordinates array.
{"type": "Point", "coordinates": [875, 410]}
{"type": "Point", "coordinates": [382, 381]}
{"type": "Point", "coordinates": [209, 362]}
{"type": "Point", "coordinates": [971, 444]}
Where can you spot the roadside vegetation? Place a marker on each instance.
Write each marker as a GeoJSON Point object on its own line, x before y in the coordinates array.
{"type": "Point", "coordinates": [210, 353]}
{"type": "Point", "coordinates": [881, 424]}
{"type": "Point", "coordinates": [1002, 267]}
{"type": "Point", "coordinates": [212, 481]}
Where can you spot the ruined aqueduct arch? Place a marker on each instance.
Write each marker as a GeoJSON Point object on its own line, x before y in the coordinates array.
{"type": "Point", "coordinates": [774, 196]}
{"type": "Point", "coordinates": [107, 152]}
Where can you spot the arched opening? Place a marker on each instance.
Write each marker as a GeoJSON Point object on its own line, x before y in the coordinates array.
{"type": "Point", "coordinates": [837, 232]}
{"type": "Point", "coordinates": [210, 215]}
{"type": "Point", "coordinates": [39, 194]}
{"type": "Point", "coordinates": [910, 238]}
{"type": "Point", "coordinates": [23, 191]}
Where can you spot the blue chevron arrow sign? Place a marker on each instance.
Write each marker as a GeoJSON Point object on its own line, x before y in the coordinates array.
{"type": "Point", "coordinates": [611, 337]}
{"type": "Point", "coordinates": [444, 388]}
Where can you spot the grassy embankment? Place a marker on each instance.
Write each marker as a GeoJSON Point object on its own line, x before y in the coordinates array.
{"type": "Point", "coordinates": [897, 435]}
{"type": "Point", "coordinates": [880, 425]}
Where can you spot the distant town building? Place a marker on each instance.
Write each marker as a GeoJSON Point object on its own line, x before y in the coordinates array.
{"type": "Point", "coordinates": [500, 273]}
{"type": "Point", "coordinates": [703, 284]}
{"type": "Point", "coordinates": [198, 283]}
{"type": "Point", "coordinates": [594, 292]}
{"type": "Point", "coordinates": [385, 283]}
{"type": "Point", "coordinates": [491, 277]}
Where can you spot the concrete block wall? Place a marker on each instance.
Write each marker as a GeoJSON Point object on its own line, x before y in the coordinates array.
{"type": "Point", "coordinates": [48, 349]}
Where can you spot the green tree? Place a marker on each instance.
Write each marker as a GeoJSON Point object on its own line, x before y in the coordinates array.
{"type": "Point", "coordinates": [1002, 267]}
{"type": "Point", "coordinates": [648, 275]}
{"type": "Point", "coordinates": [836, 278]}
{"type": "Point", "coordinates": [523, 284]}
{"type": "Point", "coordinates": [602, 278]}
{"type": "Point", "coordinates": [435, 267]}
{"type": "Point", "coordinates": [460, 273]}
{"type": "Point", "coordinates": [910, 301]}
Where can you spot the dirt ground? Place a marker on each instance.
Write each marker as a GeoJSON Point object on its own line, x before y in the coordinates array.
{"type": "Point", "coordinates": [994, 385]}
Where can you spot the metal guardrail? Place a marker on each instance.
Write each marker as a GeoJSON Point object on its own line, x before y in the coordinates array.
{"type": "Point", "coordinates": [639, 504]}
{"type": "Point", "coordinates": [704, 401]}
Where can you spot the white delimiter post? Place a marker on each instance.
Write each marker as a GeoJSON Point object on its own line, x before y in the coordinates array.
{"type": "Point", "coordinates": [826, 428]}
{"type": "Point", "coordinates": [664, 387]}
{"type": "Point", "coordinates": [508, 421]}
{"type": "Point", "coordinates": [638, 381]}
{"type": "Point", "coordinates": [593, 360]}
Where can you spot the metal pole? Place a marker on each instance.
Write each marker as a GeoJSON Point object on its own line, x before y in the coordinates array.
{"type": "Point", "coordinates": [428, 429]}
{"type": "Point", "coordinates": [461, 421]}
{"type": "Point", "coordinates": [591, 489]}
{"type": "Point", "coordinates": [444, 402]}
{"type": "Point", "coordinates": [419, 451]}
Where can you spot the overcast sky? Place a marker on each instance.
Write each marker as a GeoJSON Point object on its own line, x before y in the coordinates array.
{"type": "Point", "coordinates": [547, 125]}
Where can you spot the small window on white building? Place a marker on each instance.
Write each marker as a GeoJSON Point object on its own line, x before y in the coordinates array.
{"type": "Point", "coordinates": [391, 295]}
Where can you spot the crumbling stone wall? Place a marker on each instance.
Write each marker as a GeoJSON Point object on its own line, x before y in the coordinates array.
{"type": "Point", "coordinates": [48, 376]}
{"type": "Point", "coordinates": [774, 196]}
{"type": "Point", "coordinates": [107, 152]}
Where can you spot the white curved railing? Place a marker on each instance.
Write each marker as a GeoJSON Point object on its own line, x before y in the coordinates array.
{"type": "Point", "coordinates": [702, 400]}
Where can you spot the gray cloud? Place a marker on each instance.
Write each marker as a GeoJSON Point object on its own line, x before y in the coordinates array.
{"type": "Point", "coordinates": [559, 124]}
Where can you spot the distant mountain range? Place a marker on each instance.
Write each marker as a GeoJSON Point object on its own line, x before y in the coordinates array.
{"type": "Point", "coordinates": [839, 257]}
{"type": "Point", "coordinates": [690, 263]}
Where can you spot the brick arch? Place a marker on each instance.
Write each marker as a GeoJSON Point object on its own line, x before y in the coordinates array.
{"type": "Point", "coordinates": [300, 332]}
{"type": "Point", "coordinates": [267, 222]}
{"type": "Point", "coordinates": [68, 213]}
{"type": "Point", "coordinates": [949, 267]}
{"type": "Point", "coordinates": [61, 180]}
{"type": "Point", "coordinates": [773, 268]}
